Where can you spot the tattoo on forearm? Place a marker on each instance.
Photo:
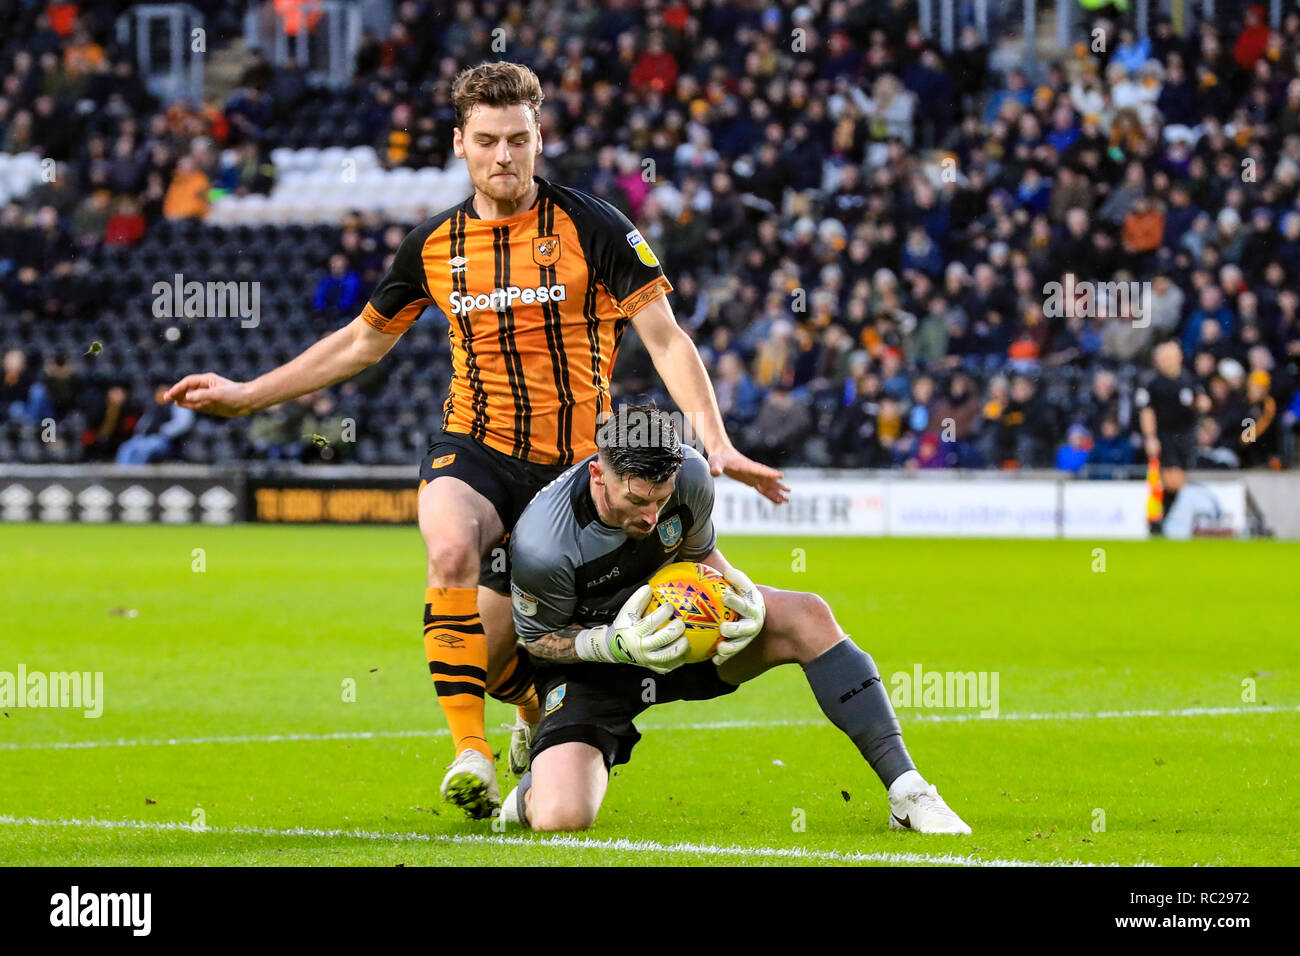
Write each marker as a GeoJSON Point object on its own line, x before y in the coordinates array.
{"type": "Point", "coordinates": [556, 646]}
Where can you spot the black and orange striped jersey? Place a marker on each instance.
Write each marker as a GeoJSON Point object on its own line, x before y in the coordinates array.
{"type": "Point", "coordinates": [537, 306]}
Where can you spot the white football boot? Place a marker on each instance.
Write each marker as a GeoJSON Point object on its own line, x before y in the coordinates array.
{"type": "Point", "coordinates": [512, 812]}
{"type": "Point", "coordinates": [916, 805]}
{"type": "Point", "coordinates": [521, 745]}
{"type": "Point", "coordinates": [471, 784]}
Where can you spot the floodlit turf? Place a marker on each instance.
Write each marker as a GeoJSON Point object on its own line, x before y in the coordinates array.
{"type": "Point", "coordinates": [262, 642]}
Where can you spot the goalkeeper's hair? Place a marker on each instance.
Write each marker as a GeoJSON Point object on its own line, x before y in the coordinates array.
{"type": "Point", "coordinates": [640, 441]}
{"type": "Point", "coordinates": [495, 84]}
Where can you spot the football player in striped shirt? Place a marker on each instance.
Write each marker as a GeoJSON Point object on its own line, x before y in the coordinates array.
{"type": "Point", "coordinates": [539, 283]}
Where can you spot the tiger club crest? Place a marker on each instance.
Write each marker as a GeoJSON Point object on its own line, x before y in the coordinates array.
{"type": "Point", "coordinates": [546, 250]}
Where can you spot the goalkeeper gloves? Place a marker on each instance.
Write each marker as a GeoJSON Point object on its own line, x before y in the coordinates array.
{"type": "Point", "coordinates": [655, 642]}
{"type": "Point", "coordinates": [747, 601]}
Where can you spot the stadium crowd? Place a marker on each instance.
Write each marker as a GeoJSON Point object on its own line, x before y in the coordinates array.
{"type": "Point", "coordinates": [860, 228]}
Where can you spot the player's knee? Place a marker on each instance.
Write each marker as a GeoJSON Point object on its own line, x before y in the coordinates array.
{"type": "Point", "coordinates": [816, 609]}
{"type": "Point", "coordinates": [551, 814]}
{"type": "Point", "coordinates": [452, 561]}
{"type": "Point", "coordinates": [814, 627]}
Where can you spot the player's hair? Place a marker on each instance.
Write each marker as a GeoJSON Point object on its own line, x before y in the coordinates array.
{"type": "Point", "coordinates": [495, 84]}
{"type": "Point", "coordinates": [640, 441]}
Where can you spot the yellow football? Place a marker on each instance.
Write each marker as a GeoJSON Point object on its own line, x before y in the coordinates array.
{"type": "Point", "coordinates": [695, 593]}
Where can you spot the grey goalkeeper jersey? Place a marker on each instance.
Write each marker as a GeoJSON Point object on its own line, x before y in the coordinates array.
{"type": "Point", "coordinates": [566, 567]}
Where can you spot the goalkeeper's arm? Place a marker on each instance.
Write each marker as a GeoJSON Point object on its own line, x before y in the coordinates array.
{"type": "Point", "coordinates": [654, 641]}
{"type": "Point", "coordinates": [559, 646]}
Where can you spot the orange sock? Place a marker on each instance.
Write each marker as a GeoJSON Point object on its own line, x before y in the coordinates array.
{"type": "Point", "coordinates": [457, 651]}
{"type": "Point", "coordinates": [515, 686]}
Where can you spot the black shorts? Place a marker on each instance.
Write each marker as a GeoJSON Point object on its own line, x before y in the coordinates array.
{"type": "Point", "coordinates": [1177, 449]}
{"type": "Point", "coordinates": [595, 703]}
{"type": "Point", "coordinates": [509, 483]}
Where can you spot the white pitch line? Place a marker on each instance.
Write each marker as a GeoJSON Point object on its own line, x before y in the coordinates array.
{"type": "Point", "coordinates": [236, 739]}
{"type": "Point", "coordinates": [621, 845]}
{"type": "Point", "coordinates": [905, 717]}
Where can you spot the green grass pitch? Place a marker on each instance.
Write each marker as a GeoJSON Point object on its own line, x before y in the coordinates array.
{"type": "Point", "coordinates": [1126, 732]}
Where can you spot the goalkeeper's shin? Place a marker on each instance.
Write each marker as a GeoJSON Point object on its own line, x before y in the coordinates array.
{"type": "Point", "coordinates": [849, 689]}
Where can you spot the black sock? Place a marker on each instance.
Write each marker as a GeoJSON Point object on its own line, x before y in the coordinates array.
{"type": "Point", "coordinates": [849, 689]}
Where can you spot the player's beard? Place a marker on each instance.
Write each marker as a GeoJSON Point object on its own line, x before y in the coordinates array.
{"type": "Point", "coordinates": [505, 189]}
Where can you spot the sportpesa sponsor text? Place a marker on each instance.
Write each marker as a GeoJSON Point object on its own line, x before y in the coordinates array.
{"type": "Point", "coordinates": [500, 299]}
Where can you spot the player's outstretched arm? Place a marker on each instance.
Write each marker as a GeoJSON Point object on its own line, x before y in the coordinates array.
{"type": "Point", "coordinates": [338, 356]}
{"type": "Point", "coordinates": [679, 365]}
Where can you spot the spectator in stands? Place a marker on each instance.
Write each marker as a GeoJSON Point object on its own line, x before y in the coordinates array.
{"type": "Point", "coordinates": [339, 290]}
{"type": "Point", "coordinates": [126, 226]}
{"type": "Point", "coordinates": [111, 423]}
{"type": "Point", "coordinates": [920, 418]}
{"type": "Point", "coordinates": [1144, 225]}
{"type": "Point", "coordinates": [782, 424]}
{"type": "Point", "coordinates": [1227, 392]}
{"type": "Point", "coordinates": [156, 431]}
{"type": "Point", "coordinates": [1259, 434]}
{"type": "Point", "coordinates": [250, 172]}
{"type": "Point", "coordinates": [738, 396]}
{"type": "Point", "coordinates": [655, 69]}
{"type": "Point", "coordinates": [1212, 310]}
{"type": "Point", "coordinates": [23, 397]}
{"type": "Point", "coordinates": [187, 196]}
{"type": "Point", "coordinates": [890, 433]}
{"type": "Point", "coordinates": [90, 223]}
{"type": "Point", "coordinates": [1104, 400]}
{"type": "Point", "coordinates": [1112, 449]}
{"type": "Point", "coordinates": [62, 383]}
{"type": "Point", "coordinates": [922, 254]}
{"type": "Point", "coordinates": [1026, 428]}
{"type": "Point", "coordinates": [1210, 452]}
{"type": "Point", "coordinates": [1074, 454]}
{"type": "Point", "coordinates": [956, 418]}
{"type": "Point", "coordinates": [930, 344]}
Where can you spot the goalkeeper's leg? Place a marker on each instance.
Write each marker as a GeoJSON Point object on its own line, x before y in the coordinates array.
{"type": "Point", "coordinates": [801, 629]}
{"type": "Point", "coordinates": [563, 790]}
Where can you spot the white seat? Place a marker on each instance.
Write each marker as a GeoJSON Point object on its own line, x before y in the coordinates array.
{"type": "Point", "coordinates": [364, 157]}
{"type": "Point", "coordinates": [331, 157]}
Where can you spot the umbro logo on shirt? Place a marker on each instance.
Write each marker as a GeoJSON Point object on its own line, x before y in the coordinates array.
{"type": "Point", "coordinates": [457, 264]}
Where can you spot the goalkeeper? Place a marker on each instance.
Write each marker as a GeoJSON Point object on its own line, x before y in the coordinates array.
{"type": "Point", "coordinates": [581, 554]}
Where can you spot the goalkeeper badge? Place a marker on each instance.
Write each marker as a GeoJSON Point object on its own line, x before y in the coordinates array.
{"type": "Point", "coordinates": [670, 532]}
